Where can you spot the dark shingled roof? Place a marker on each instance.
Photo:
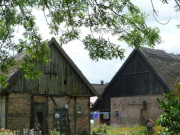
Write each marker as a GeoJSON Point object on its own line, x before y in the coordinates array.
{"type": "Point", "coordinates": [167, 65]}
{"type": "Point", "coordinates": [99, 87]}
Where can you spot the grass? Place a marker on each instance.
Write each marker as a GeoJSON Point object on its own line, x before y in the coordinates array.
{"type": "Point", "coordinates": [115, 130]}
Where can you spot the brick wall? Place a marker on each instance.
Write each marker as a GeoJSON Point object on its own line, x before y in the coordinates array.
{"type": "Point", "coordinates": [60, 101]}
{"type": "Point", "coordinates": [83, 119]}
{"type": "Point", "coordinates": [18, 115]}
{"type": "Point", "coordinates": [134, 110]}
{"type": "Point", "coordinates": [2, 111]}
{"type": "Point", "coordinates": [19, 106]}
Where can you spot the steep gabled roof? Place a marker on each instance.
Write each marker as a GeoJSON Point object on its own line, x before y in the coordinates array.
{"type": "Point", "coordinates": [14, 71]}
{"type": "Point", "coordinates": [53, 40]}
{"type": "Point", "coordinates": [165, 66]}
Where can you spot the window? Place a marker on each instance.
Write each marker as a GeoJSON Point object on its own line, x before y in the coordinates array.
{"type": "Point", "coordinates": [79, 109]}
{"type": "Point", "coordinates": [65, 82]}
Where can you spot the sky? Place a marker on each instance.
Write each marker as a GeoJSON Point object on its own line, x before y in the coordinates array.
{"type": "Point", "coordinates": [106, 69]}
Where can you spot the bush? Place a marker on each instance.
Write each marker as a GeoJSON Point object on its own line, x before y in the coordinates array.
{"type": "Point", "coordinates": [158, 130]}
{"type": "Point", "coordinates": [170, 119]}
{"type": "Point", "coordinates": [101, 129]}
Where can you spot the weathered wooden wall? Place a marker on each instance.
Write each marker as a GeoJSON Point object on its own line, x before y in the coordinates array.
{"type": "Point", "coordinates": [135, 78]}
{"type": "Point", "coordinates": [59, 78]}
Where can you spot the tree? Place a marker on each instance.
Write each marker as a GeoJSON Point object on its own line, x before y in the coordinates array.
{"type": "Point", "coordinates": [170, 118]}
{"type": "Point", "coordinates": [118, 17]}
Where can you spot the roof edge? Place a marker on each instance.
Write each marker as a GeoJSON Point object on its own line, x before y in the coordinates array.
{"type": "Point", "coordinates": [154, 71]}
{"type": "Point", "coordinates": [114, 77]}
{"type": "Point", "coordinates": [53, 40]}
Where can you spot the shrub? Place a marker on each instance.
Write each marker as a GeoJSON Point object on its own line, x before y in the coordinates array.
{"type": "Point", "coordinates": [170, 118]}
{"type": "Point", "coordinates": [158, 130]}
{"type": "Point", "coordinates": [101, 129]}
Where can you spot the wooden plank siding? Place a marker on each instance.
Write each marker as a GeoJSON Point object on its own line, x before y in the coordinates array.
{"type": "Point", "coordinates": [135, 78]}
{"type": "Point", "coordinates": [59, 78]}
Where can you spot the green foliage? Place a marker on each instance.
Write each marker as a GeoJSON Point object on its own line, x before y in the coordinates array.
{"type": "Point", "coordinates": [3, 80]}
{"type": "Point", "coordinates": [115, 130]}
{"type": "Point", "coordinates": [54, 132]}
{"type": "Point", "coordinates": [144, 106]}
{"type": "Point", "coordinates": [67, 18]}
{"type": "Point", "coordinates": [178, 86]}
{"type": "Point", "coordinates": [104, 49]}
{"type": "Point", "coordinates": [158, 130]}
{"type": "Point", "coordinates": [170, 118]}
{"type": "Point", "coordinates": [101, 129]}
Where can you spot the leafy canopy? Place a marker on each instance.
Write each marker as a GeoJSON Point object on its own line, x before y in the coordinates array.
{"type": "Point", "coordinates": [67, 17]}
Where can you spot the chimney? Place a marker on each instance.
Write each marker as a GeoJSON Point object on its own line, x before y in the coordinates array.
{"type": "Point", "coordinates": [102, 82]}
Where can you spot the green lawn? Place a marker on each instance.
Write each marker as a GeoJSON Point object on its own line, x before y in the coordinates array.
{"type": "Point", "coordinates": [115, 130]}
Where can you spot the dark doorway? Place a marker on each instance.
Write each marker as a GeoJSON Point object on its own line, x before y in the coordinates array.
{"type": "Point", "coordinates": [39, 117]}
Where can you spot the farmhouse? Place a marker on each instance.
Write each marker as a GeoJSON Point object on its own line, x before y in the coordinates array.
{"type": "Point", "coordinates": [131, 95]}
{"type": "Point", "coordinates": [59, 99]}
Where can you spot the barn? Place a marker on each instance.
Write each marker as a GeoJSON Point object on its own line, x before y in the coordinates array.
{"type": "Point", "coordinates": [130, 97]}
{"type": "Point", "coordinates": [59, 99]}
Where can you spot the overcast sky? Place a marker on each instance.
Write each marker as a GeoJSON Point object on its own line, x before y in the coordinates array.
{"type": "Point", "coordinates": [106, 69]}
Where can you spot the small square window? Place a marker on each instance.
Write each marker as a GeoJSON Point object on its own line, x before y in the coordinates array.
{"type": "Point", "coordinates": [79, 109]}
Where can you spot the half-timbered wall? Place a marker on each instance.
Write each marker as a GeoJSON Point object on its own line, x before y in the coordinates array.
{"type": "Point", "coordinates": [77, 119]}
{"type": "Point", "coordinates": [21, 112]}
